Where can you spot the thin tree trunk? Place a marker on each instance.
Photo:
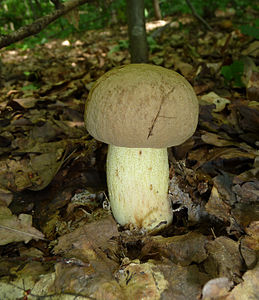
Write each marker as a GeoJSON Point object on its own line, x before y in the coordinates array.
{"type": "Point", "coordinates": [137, 31]}
{"type": "Point", "coordinates": [157, 10]}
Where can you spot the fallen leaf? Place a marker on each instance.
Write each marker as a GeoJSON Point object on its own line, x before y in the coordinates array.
{"type": "Point", "coordinates": [183, 282]}
{"type": "Point", "coordinates": [252, 49]}
{"type": "Point", "coordinates": [217, 207]}
{"type": "Point", "coordinates": [249, 288]}
{"type": "Point", "coordinates": [223, 140]}
{"type": "Point", "coordinates": [224, 259]}
{"type": "Point", "coordinates": [142, 281]}
{"type": "Point", "coordinates": [90, 243]}
{"type": "Point", "coordinates": [46, 167]}
{"type": "Point", "coordinates": [16, 229]}
{"type": "Point", "coordinates": [182, 249]}
{"type": "Point", "coordinates": [212, 98]}
{"type": "Point", "coordinates": [26, 102]}
{"type": "Point", "coordinates": [251, 240]}
{"type": "Point", "coordinates": [216, 288]}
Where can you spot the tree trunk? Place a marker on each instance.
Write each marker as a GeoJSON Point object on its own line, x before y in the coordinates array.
{"type": "Point", "coordinates": [157, 10]}
{"type": "Point", "coordinates": [137, 31]}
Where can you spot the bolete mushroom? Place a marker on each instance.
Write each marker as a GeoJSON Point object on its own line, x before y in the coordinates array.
{"type": "Point", "coordinates": [140, 110]}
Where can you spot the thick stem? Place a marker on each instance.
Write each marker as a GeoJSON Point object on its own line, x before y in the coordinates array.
{"type": "Point", "coordinates": [138, 186]}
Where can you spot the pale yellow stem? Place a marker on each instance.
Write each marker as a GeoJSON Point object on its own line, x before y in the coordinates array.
{"type": "Point", "coordinates": [138, 186]}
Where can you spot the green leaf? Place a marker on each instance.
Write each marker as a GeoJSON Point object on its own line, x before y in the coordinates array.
{"type": "Point", "coordinates": [234, 73]}
{"type": "Point", "coordinates": [250, 31]}
{"type": "Point", "coordinates": [122, 45]}
{"type": "Point", "coordinates": [30, 87]}
{"type": "Point", "coordinates": [153, 46]}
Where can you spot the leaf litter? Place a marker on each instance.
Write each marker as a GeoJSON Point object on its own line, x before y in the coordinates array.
{"type": "Point", "coordinates": [58, 238]}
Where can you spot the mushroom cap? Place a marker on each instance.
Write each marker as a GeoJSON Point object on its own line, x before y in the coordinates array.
{"type": "Point", "coordinates": [141, 106]}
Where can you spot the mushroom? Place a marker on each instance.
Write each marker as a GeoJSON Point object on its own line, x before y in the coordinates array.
{"type": "Point", "coordinates": [140, 110]}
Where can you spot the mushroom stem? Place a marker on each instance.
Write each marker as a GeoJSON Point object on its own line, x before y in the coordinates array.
{"type": "Point", "coordinates": [137, 181]}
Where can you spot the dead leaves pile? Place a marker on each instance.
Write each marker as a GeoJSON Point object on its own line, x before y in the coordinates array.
{"type": "Point", "coordinates": [93, 262]}
{"type": "Point", "coordinates": [210, 252]}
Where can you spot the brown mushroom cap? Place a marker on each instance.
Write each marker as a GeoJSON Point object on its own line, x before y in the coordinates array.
{"type": "Point", "coordinates": [141, 106]}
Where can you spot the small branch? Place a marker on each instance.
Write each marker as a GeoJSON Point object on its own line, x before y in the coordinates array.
{"type": "Point", "coordinates": [194, 12]}
{"type": "Point", "coordinates": [39, 24]}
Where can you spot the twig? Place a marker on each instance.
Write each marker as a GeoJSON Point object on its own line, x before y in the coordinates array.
{"type": "Point", "coordinates": [39, 24]}
{"type": "Point", "coordinates": [157, 32]}
{"type": "Point", "coordinates": [197, 15]}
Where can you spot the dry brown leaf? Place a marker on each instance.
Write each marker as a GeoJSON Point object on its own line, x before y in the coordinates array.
{"type": "Point", "coordinates": [46, 167]}
{"type": "Point", "coordinates": [182, 249]}
{"type": "Point", "coordinates": [249, 288]}
{"type": "Point", "coordinates": [253, 87]}
{"type": "Point", "coordinates": [142, 281]}
{"type": "Point", "coordinates": [248, 116]}
{"type": "Point", "coordinates": [212, 98]}
{"type": "Point", "coordinates": [223, 140]}
{"type": "Point", "coordinates": [89, 241]}
{"type": "Point", "coordinates": [16, 229]}
{"type": "Point", "coordinates": [216, 288]}
{"type": "Point", "coordinates": [252, 238]}
{"type": "Point", "coordinates": [183, 282]}
{"type": "Point", "coordinates": [226, 13]}
{"type": "Point", "coordinates": [217, 207]}
{"type": "Point", "coordinates": [224, 259]}
{"type": "Point", "coordinates": [252, 49]}
{"type": "Point", "coordinates": [6, 197]}
{"type": "Point", "coordinates": [26, 102]}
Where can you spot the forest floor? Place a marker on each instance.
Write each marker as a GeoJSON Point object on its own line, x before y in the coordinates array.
{"type": "Point", "coordinates": [57, 235]}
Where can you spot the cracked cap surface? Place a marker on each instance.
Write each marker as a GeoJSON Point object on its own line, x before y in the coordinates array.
{"type": "Point", "coordinates": [141, 106]}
